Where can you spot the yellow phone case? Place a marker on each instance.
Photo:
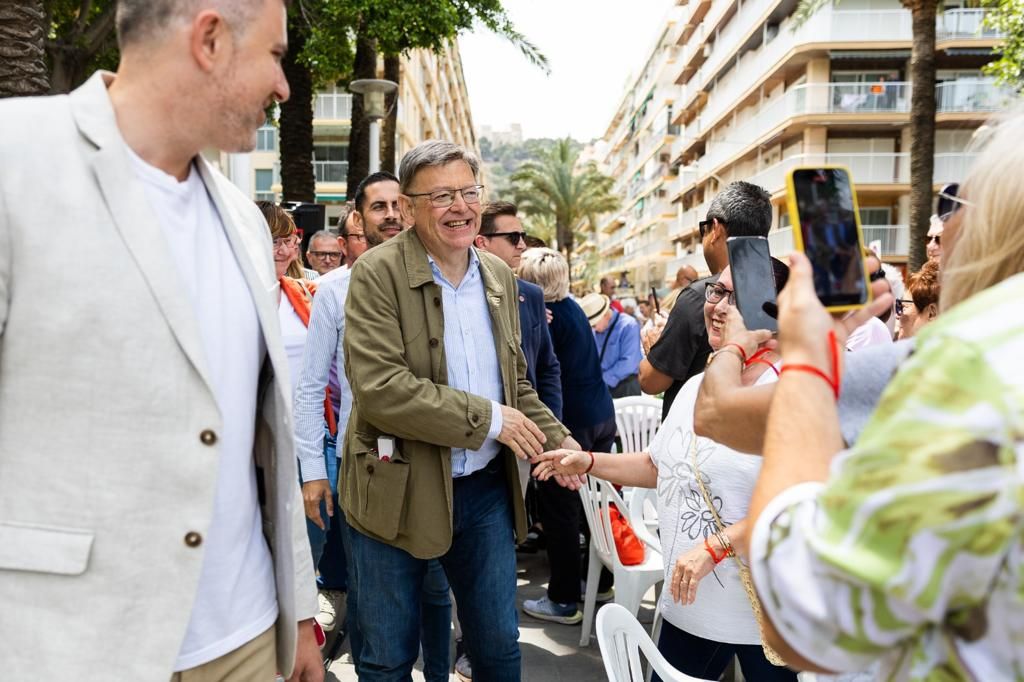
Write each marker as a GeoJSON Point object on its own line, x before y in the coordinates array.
{"type": "Point", "coordinates": [798, 241]}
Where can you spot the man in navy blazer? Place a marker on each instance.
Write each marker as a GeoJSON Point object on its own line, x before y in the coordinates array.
{"type": "Point", "coordinates": [502, 234]}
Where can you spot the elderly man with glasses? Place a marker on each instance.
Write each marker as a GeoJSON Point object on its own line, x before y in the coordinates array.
{"type": "Point", "coordinates": [442, 408]}
{"type": "Point", "coordinates": [324, 252]}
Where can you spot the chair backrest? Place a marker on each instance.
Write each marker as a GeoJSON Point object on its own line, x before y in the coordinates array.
{"type": "Point", "coordinates": [609, 495]}
{"type": "Point", "coordinates": [601, 539]}
{"type": "Point", "coordinates": [643, 504]}
{"type": "Point", "coordinates": [621, 638]}
{"type": "Point", "coordinates": [637, 419]}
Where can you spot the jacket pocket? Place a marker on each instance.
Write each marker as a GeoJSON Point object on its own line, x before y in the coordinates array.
{"type": "Point", "coordinates": [382, 486]}
{"type": "Point", "coordinates": [44, 549]}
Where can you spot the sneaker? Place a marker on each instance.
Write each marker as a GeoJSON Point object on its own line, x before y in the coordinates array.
{"type": "Point", "coordinates": [463, 670]}
{"type": "Point", "coordinates": [330, 603]}
{"type": "Point", "coordinates": [545, 609]}
{"type": "Point", "coordinates": [602, 597]}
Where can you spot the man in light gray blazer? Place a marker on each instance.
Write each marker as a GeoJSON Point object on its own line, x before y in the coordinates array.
{"type": "Point", "coordinates": [151, 526]}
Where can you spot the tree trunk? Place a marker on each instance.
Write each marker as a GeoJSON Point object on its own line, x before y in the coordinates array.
{"type": "Point", "coordinates": [22, 56]}
{"type": "Point", "coordinates": [922, 126]}
{"type": "Point", "coordinates": [296, 139]}
{"type": "Point", "coordinates": [359, 135]}
{"type": "Point", "coordinates": [388, 146]}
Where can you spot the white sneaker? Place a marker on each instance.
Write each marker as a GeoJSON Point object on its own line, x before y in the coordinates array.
{"type": "Point", "coordinates": [330, 602]}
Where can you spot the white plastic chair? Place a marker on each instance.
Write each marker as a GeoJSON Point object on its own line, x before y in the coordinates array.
{"type": "Point", "coordinates": [643, 514]}
{"type": "Point", "coordinates": [637, 419]}
{"type": "Point", "coordinates": [621, 638]}
{"type": "Point", "coordinates": [631, 582]}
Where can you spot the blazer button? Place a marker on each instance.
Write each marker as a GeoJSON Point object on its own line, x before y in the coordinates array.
{"type": "Point", "coordinates": [208, 437]}
{"type": "Point", "coordinates": [369, 468]}
{"type": "Point", "coordinates": [193, 539]}
{"type": "Point", "coordinates": [433, 343]}
{"type": "Point", "coordinates": [469, 433]}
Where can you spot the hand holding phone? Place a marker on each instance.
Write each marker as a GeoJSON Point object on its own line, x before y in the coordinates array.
{"type": "Point", "coordinates": [753, 281]}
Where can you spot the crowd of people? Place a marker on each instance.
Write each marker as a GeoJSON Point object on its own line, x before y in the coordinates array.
{"type": "Point", "coordinates": [247, 451]}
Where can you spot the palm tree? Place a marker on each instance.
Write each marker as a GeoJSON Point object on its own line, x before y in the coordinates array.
{"type": "Point", "coordinates": [22, 52]}
{"type": "Point", "coordinates": [922, 116]}
{"type": "Point", "coordinates": [558, 187]}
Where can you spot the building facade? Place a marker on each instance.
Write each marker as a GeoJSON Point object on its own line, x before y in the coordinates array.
{"type": "Point", "coordinates": [433, 103]}
{"type": "Point", "coordinates": [751, 94]}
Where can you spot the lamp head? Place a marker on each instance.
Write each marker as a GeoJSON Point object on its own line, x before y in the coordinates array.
{"type": "Point", "coordinates": [373, 91]}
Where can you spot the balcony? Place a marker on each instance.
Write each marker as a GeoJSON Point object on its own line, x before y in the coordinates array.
{"type": "Point", "coordinates": [895, 240]}
{"type": "Point", "coordinates": [330, 171]}
{"type": "Point", "coordinates": [780, 242]}
{"type": "Point", "coordinates": [686, 223]}
{"type": "Point", "coordinates": [332, 107]}
{"type": "Point", "coordinates": [694, 260]}
{"type": "Point", "coordinates": [971, 96]}
{"type": "Point", "coordinates": [827, 26]}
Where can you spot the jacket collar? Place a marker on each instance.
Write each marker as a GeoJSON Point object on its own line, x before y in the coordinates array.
{"type": "Point", "coordinates": [417, 265]}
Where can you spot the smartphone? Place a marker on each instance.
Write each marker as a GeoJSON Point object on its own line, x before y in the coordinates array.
{"type": "Point", "coordinates": [823, 210]}
{"type": "Point", "coordinates": [752, 280]}
{"type": "Point", "coordinates": [654, 295]}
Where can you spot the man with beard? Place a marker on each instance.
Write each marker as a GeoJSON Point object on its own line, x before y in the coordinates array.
{"type": "Point", "coordinates": [155, 318]}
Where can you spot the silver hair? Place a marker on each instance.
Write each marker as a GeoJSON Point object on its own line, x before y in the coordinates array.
{"type": "Point", "coordinates": [321, 234]}
{"type": "Point", "coordinates": [745, 209]}
{"type": "Point", "coordinates": [144, 20]}
{"type": "Point", "coordinates": [547, 269]}
{"type": "Point", "coordinates": [432, 153]}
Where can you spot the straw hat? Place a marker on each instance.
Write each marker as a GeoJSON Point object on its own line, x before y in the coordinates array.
{"type": "Point", "coordinates": [595, 306]}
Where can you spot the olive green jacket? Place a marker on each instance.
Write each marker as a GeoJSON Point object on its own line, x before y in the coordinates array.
{"type": "Point", "coordinates": [395, 362]}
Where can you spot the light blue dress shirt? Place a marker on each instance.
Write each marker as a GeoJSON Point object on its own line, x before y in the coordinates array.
{"type": "Point", "coordinates": [471, 358]}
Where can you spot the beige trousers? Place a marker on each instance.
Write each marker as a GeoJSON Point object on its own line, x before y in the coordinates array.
{"type": "Point", "coordinates": [254, 660]}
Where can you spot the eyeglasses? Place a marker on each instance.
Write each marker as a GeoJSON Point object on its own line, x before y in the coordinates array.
{"type": "Point", "coordinates": [513, 237]}
{"type": "Point", "coordinates": [443, 198]}
{"type": "Point", "coordinates": [704, 226]}
{"type": "Point", "coordinates": [903, 304]}
{"type": "Point", "coordinates": [950, 202]}
{"type": "Point", "coordinates": [716, 292]}
{"type": "Point", "coordinates": [937, 238]}
{"type": "Point", "coordinates": [285, 242]}
{"type": "Point", "coordinates": [326, 255]}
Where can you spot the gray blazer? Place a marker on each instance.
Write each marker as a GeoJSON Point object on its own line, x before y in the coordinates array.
{"type": "Point", "coordinates": [103, 399]}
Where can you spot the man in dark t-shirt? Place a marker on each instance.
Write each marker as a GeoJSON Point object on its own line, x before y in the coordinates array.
{"type": "Point", "coordinates": [682, 350]}
{"type": "Point", "coordinates": [739, 210]}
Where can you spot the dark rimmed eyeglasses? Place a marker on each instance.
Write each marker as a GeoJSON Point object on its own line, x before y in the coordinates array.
{"type": "Point", "coordinates": [903, 304]}
{"type": "Point", "coordinates": [513, 237]}
{"type": "Point", "coordinates": [331, 255]}
{"type": "Point", "coordinates": [704, 226]}
{"type": "Point", "coordinates": [443, 198]}
{"type": "Point", "coordinates": [714, 293]}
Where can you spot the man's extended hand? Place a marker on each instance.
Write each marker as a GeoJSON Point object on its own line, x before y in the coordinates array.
{"type": "Point", "coordinates": [312, 493]}
{"type": "Point", "coordinates": [520, 434]}
{"type": "Point", "coordinates": [309, 666]}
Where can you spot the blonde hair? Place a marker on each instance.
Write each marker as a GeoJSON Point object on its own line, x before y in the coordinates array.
{"type": "Point", "coordinates": [282, 225]}
{"type": "Point", "coordinates": [989, 245]}
{"type": "Point", "coordinates": [547, 269]}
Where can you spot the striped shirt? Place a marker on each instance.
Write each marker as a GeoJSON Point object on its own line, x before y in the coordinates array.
{"type": "Point", "coordinates": [470, 356]}
{"type": "Point", "coordinates": [912, 552]}
{"type": "Point", "coordinates": [323, 347]}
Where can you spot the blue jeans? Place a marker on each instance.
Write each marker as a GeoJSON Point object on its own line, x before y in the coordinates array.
{"type": "Point", "coordinates": [481, 567]}
{"type": "Point", "coordinates": [707, 660]}
{"type": "Point", "coordinates": [326, 544]}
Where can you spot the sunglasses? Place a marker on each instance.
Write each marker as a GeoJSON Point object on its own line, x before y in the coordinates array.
{"type": "Point", "coordinates": [513, 237]}
{"type": "Point", "coordinates": [704, 226]}
{"type": "Point", "coordinates": [903, 304]}
{"type": "Point", "coordinates": [950, 202]}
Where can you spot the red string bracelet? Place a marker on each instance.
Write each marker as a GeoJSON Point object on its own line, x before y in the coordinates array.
{"type": "Point", "coordinates": [743, 353]}
{"type": "Point", "coordinates": [717, 558]}
{"type": "Point", "coordinates": [832, 381]}
{"type": "Point", "coordinates": [758, 358]}
{"type": "Point", "coordinates": [591, 463]}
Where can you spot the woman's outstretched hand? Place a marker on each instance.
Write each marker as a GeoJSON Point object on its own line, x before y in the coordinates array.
{"type": "Point", "coordinates": [560, 464]}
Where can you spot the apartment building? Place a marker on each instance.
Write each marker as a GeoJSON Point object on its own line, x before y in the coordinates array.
{"type": "Point", "coordinates": [753, 95]}
{"type": "Point", "coordinates": [433, 103]}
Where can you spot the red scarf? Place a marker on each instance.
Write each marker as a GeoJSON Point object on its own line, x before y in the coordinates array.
{"type": "Point", "coordinates": [300, 295]}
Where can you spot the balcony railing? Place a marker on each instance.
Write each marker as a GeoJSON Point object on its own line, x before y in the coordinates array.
{"type": "Point", "coordinates": [964, 23]}
{"type": "Point", "coordinates": [972, 95]}
{"type": "Point", "coordinates": [895, 240]}
{"type": "Point", "coordinates": [332, 107]}
{"type": "Point", "coordinates": [330, 171]}
{"type": "Point", "coordinates": [695, 260]}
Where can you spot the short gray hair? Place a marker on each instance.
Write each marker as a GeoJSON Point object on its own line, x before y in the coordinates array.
{"type": "Point", "coordinates": [139, 20]}
{"type": "Point", "coordinates": [432, 153]}
{"type": "Point", "coordinates": [547, 269]}
{"type": "Point", "coordinates": [321, 234]}
{"type": "Point", "coordinates": [745, 209]}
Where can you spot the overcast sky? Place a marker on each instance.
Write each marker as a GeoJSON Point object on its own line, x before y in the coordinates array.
{"type": "Point", "coordinates": [592, 47]}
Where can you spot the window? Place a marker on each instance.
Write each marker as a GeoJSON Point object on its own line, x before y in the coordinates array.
{"type": "Point", "coordinates": [330, 162]}
{"type": "Point", "coordinates": [264, 183]}
{"type": "Point", "coordinates": [266, 139]}
{"type": "Point", "coordinates": [875, 216]}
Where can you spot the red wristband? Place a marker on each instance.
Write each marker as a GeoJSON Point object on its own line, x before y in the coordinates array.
{"type": "Point", "coordinates": [832, 381]}
{"type": "Point", "coordinates": [717, 558]}
{"type": "Point", "coordinates": [591, 463]}
{"type": "Point", "coordinates": [743, 353]}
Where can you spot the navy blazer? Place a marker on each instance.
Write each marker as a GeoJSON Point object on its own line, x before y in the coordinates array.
{"type": "Point", "coordinates": [542, 367]}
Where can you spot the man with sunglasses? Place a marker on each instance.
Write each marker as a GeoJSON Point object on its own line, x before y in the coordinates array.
{"type": "Point", "coordinates": [681, 350]}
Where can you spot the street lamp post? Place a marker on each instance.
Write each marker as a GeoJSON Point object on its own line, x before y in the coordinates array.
{"type": "Point", "coordinates": [373, 91]}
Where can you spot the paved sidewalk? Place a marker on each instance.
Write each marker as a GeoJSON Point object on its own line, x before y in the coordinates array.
{"type": "Point", "coordinates": [551, 652]}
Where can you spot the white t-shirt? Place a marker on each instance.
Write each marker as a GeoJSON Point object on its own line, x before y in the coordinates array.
{"type": "Point", "coordinates": [718, 614]}
{"type": "Point", "coordinates": [871, 333]}
{"type": "Point", "coordinates": [294, 335]}
{"type": "Point", "coordinates": [236, 599]}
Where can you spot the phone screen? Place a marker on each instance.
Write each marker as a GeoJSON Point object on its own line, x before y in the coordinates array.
{"type": "Point", "coordinates": [752, 280]}
{"type": "Point", "coordinates": [830, 234]}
